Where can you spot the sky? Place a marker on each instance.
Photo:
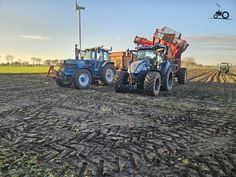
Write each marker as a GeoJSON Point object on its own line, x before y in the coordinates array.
{"type": "Point", "coordinates": [48, 28]}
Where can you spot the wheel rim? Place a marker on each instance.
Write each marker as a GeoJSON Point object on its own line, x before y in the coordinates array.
{"type": "Point", "coordinates": [83, 79]}
{"type": "Point", "coordinates": [215, 16]}
{"type": "Point", "coordinates": [110, 75]}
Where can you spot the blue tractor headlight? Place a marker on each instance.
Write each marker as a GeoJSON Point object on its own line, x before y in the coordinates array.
{"type": "Point", "coordinates": [141, 67]}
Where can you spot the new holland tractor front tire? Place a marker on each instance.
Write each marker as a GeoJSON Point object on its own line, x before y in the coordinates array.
{"type": "Point", "coordinates": [182, 75]}
{"type": "Point", "coordinates": [120, 81]}
{"type": "Point", "coordinates": [107, 74]}
{"type": "Point", "coordinates": [82, 79]}
{"type": "Point", "coordinates": [152, 83]}
{"type": "Point", "coordinates": [167, 80]}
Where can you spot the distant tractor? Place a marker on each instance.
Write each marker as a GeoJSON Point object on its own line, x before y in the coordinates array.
{"type": "Point", "coordinates": [95, 65]}
{"type": "Point", "coordinates": [225, 68]}
{"type": "Point", "coordinates": [150, 72]}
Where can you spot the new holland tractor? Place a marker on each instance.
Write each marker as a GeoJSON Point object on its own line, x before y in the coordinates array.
{"type": "Point", "coordinates": [157, 64]}
{"type": "Point", "coordinates": [95, 65]}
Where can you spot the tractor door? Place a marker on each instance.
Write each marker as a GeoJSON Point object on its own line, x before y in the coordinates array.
{"type": "Point", "coordinates": [99, 61]}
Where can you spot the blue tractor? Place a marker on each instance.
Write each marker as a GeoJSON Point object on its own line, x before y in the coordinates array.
{"type": "Point", "coordinates": [95, 65]}
{"type": "Point", "coordinates": [152, 72]}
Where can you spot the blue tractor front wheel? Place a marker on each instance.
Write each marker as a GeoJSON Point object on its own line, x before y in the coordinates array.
{"type": "Point", "coordinates": [82, 79]}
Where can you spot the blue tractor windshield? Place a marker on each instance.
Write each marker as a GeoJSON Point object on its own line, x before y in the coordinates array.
{"type": "Point", "coordinates": [90, 55]}
{"type": "Point", "coordinates": [146, 54]}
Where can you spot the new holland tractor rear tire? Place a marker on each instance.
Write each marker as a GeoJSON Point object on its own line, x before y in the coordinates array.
{"type": "Point", "coordinates": [82, 79]}
{"type": "Point", "coordinates": [61, 82]}
{"type": "Point", "coordinates": [152, 83]}
{"type": "Point", "coordinates": [167, 80]}
{"type": "Point", "coordinates": [120, 80]}
{"type": "Point", "coordinates": [182, 75]}
{"type": "Point", "coordinates": [107, 74]}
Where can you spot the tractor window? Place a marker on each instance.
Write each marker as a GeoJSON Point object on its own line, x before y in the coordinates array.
{"type": "Point", "coordinates": [147, 54]}
{"type": "Point", "coordinates": [89, 55]}
{"type": "Point", "coordinates": [106, 56]}
{"type": "Point", "coordinates": [99, 56]}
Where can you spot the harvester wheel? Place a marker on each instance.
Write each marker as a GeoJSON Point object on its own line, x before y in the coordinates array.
{"type": "Point", "coordinates": [120, 81]}
{"type": "Point", "coordinates": [108, 73]}
{"type": "Point", "coordinates": [82, 79]}
{"type": "Point", "coordinates": [167, 80]}
{"type": "Point", "coordinates": [152, 83]}
{"type": "Point", "coordinates": [62, 82]}
{"type": "Point", "coordinates": [182, 75]}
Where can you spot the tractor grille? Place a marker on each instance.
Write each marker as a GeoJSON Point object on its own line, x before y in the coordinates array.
{"type": "Point", "coordinates": [70, 67]}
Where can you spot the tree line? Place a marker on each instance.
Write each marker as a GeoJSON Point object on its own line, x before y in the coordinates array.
{"type": "Point", "coordinates": [35, 61]}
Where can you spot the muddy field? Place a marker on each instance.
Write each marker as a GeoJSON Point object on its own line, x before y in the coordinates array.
{"type": "Point", "coordinates": [211, 75]}
{"type": "Point", "coordinates": [46, 130]}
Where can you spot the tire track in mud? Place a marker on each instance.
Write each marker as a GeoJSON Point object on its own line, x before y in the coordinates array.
{"type": "Point", "coordinates": [107, 134]}
{"type": "Point", "coordinates": [199, 75]}
{"type": "Point", "coordinates": [214, 76]}
{"type": "Point", "coordinates": [207, 77]}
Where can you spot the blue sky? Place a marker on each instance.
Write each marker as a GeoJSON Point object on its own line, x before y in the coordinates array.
{"type": "Point", "coordinates": [46, 28]}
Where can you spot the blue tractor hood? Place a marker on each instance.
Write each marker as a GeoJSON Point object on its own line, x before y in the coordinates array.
{"type": "Point", "coordinates": [72, 65]}
{"type": "Point", "coordinates": [75, 62]}
{"type": "Point", "coordinates": [139, 66]}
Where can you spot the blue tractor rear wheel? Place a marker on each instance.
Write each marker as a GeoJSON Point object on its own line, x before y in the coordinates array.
{"type": "Point", "coordinates": [82, 79]}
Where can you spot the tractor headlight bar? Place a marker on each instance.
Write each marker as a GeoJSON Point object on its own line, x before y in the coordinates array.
{"type": "Point", "coordinates": [137, 67]}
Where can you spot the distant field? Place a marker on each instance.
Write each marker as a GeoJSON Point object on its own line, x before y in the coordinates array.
{"type": "Point", "coordinates": [24, 69]}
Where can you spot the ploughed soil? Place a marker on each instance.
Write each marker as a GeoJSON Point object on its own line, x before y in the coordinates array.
{"type": "Point", "coordinates": [46, 130]}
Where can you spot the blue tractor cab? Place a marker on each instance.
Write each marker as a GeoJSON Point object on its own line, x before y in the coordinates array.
{"type": "Point", "coordinates": [150, 72]}
{"type": "Point", "coordinates": [95, 64]}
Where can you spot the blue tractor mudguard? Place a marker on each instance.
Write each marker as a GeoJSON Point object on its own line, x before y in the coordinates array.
{"type": "Point", "coordinates": [165, 67]}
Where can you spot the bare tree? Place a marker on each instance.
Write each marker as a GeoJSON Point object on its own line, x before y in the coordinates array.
{"type": "Point", "coordinates": [25, 63]}
{"type": "Point", "coordinates": [39, 60]}
{"type": "Point", "coordinates": [47, 62]}
{"type": "Point", "coordinates": [33, 60]}
{"type": "Point", "coordinates": [55, 61]}
{"type": "Point", "coordinates": [9, 59]}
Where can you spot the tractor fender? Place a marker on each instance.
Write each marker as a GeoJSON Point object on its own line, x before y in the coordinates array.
{"type": "Point", "coordinates": [107, 62]}
{"type": "Point", "coordinates": [165, 67]}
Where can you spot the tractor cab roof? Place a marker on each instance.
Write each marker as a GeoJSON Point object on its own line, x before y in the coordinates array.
{"type": "Point", "coordinates": [152, 47]}
{"type": "Point", "coordinates": [99, 48]}
{"type": "Point", "coordinates": [226, 64]}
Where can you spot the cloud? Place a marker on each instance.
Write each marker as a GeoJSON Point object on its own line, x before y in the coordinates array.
{"type": "Point", "coordinates": [216, 39]}
{"type": "Point", "coordinates": [34, 37]}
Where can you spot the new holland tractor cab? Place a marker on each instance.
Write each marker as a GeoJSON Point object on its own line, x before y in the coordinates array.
{"type": "Point", "coordinates": [95, 65]}
{"type": "Point", "coordinates": [151, 71]}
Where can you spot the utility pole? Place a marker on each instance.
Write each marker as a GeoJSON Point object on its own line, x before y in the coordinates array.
{"type": "Point", "coordinates": [78, 9]}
